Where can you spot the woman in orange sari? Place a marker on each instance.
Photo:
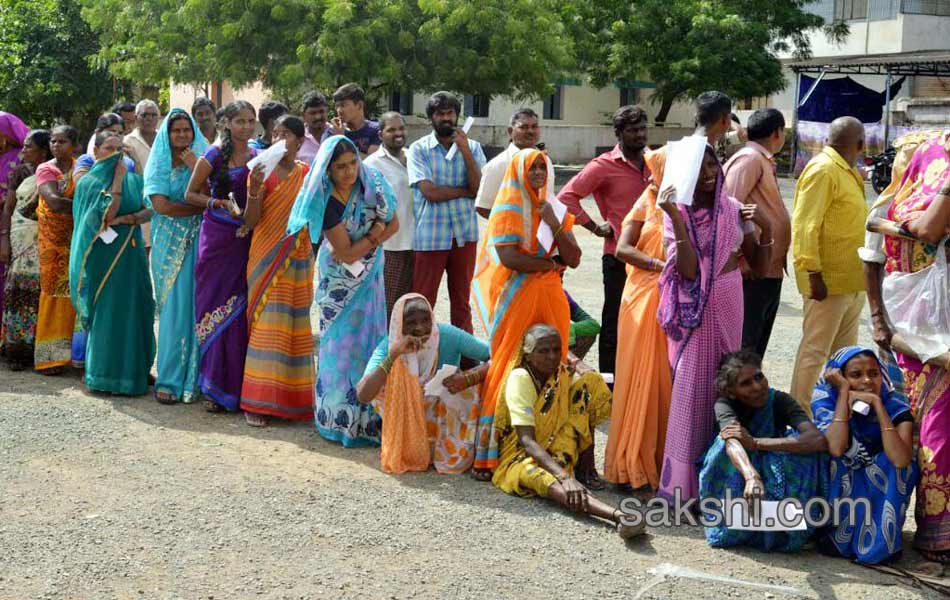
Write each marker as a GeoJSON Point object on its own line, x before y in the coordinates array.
{"type": "Point", "coordinates": [56, 318]}
{"type": "Point", "coordinates": [278, 370]}
{"type": "Point", "coordinates": [517, 282]}
{"type": "Point", "coordinates": [642, 384]}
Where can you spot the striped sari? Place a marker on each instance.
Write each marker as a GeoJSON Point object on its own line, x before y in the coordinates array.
{"type": "Point", "coordinates": [56, 318]}
{"type": "Point", "coordinates": [509, 302]}
{"type": "Point", "coordinates": [278, 370]}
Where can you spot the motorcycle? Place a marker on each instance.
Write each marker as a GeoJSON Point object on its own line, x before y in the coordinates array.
{"type": "Point", "coordinates": [880, 167]}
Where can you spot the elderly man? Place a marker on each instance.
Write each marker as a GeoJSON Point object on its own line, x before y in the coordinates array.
{"type": "Point", "coordinates": [750, 179]}
{"type": "Point", "coordinates": [828, 220]}
{"type": "Point", "coordinates": [444, 191]}
{"type": "Point", "coordinates": [615, 179]}
{"type": "Point", "coordinates": [524, 131]}
{"type": "Point", "coordinates": [390, 160]}
{"type": "Point", "coordinates": [138, 144]}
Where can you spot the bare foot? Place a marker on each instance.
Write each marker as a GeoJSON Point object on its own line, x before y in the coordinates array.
{"type": "Point", "coordinates": [627, 532]}
{"type": "Point", "coordinates": [255, 420]}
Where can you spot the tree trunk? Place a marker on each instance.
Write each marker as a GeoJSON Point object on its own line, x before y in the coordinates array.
{"type": "Point", "coordinates": [665, 107]}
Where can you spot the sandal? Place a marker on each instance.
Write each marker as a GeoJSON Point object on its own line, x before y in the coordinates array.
{"type": "Point", "coordinates": [255, 420]}
{"type": "Point", "coordinates": [213, 407]}
{"type": "Point", "coordinates": [481, 475]}
{"type": "Point", "coordinates": [592, 481]}
{"type": "Point", "coordinates": [163, 397]}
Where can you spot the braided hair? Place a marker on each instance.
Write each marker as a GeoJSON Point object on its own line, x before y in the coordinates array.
{"type": "Point", "coordinates": [223, 187]}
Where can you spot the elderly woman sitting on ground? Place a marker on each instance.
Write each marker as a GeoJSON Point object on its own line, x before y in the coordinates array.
{"type": "Point", "coordinates": [545, 420]}
{"type": "Point", "coordinates": [767, 449]}
{"type": "Point", "coordinates": [421, 428]}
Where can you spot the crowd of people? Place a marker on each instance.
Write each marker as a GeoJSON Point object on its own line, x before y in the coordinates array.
{"type": "Point", "coordinates": [175, 218]}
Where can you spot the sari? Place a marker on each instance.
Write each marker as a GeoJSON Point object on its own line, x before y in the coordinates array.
{"type": "Point", "coordinates": [701, 327]}
{"type": "Point", "coordinates": [56, 318]}
{"type": "Point", "coordinates": [110, 284]}
{"type": "Point", "coordinates": [350, 298]}
{"type": "Point", "coordinates": [278, 370]}
{"type": "Point", "coordinates": [12, 128]}
{"type": "Point", "coordinates": [420, 428]}
{"type": "Point", "coordinates": [173, 258]}
{"type": "Point", "coordinates": [784, 475]}
{"type": "Point", "coordinates": [23, 277]}
{"type": "Point", "coordinates": [865, 472]}
{"type": "Point", "coordinates": [927, 386]}
{"type": "Point", "coordinates": [566, 411]}
{"type": "Point", "coordinates": [221, 288]}
{"type": "Point", "coordinates": [509, 302]}
{"type": "Point", "coordinates": [642, 384]}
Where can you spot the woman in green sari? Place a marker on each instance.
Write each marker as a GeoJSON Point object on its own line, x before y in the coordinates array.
{"type": "Point", "coordinates": [108, 274]}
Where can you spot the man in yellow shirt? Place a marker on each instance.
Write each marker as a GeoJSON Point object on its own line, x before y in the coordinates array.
{"type": "Point", "coordinates": [828, 219]}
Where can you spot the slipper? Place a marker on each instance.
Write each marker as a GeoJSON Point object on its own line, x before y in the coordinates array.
{"type": "Point", "coordinates": [481, 475]}
{"type": "Point", "coordinates": [163, 397]}
{"type": "Point", "coordinates": [213, 407]}
{"type": "Point", "coordinates": [593, 482]}
{"type": "Point", "coordinates": [255, 420]}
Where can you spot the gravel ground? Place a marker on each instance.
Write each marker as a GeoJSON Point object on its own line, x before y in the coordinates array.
{"type": "Point", "coordinates": [124, 498]}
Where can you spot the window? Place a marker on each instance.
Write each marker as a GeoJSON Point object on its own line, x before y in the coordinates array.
{"type": "Point", "coordinates": [850, 10]}
{"type": "Point", "coordinates": [629, 96]}
{"type": "Point", "coordinates": [401, 102]}
{"type": "Point", "coordinates": [554, 104]}
{"type": "Point", "coordinates": [477, 105]}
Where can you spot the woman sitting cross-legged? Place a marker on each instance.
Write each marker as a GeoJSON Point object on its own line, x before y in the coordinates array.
{"type": "Point", "coordinates": [873, 461]}
{"type": "Point", "coordinates": [545, 419]}
{"type": "Point", "coordinates": [755, 455]}
{"type": "Point", "coordinates": [420, 429]}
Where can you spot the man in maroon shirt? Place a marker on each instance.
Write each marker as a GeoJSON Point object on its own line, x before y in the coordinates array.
{"type": "Point", "coordinates": [615, 179]}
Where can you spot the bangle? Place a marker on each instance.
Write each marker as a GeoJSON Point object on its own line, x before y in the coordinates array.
{"type": "Point", "coordinates": [678, 242]}
{"type": "Point", "coordinates": [771, 242]}
{"type": "Point", "coordinates": [755, 444]}
{"type": "Point", "coordinates": [387, 364]}
{"type": "Point", "coordinates": [210, 203]}
{"type": "Point", "coordinates": [559, 231]}
{"type": "Point", "coordinates": [888, 429]}
{"type": "Point", "coordinates": [836, 420]}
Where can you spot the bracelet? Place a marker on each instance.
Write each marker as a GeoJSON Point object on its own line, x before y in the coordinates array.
{"type": "Point", "coordinates": [387, 364]}
{"type": "Point", "coordinates": [839, 420]}
{"type": "Point", "coordinates": [771, 242]}
{"type": "Point", "coordinates": [210, 203]}
{"type": "Point", "coordinates": [559, 231]}
{"type": "Point", "coordinates": [888, 429]}
{"type": "Point", "coordinates": [678, 242]}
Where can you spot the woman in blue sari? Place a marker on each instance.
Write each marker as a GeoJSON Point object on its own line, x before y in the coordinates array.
{"type": "Point", "coordinates": [175, 229]}
{"type": "Point", "coordinates": [108, 276]}
{"type": "Point", "coordinates": [872, 455]}
{"type": "Point", "coordinates": [353, 207]}
{"type": "Point", "coordinates": [767, 449]}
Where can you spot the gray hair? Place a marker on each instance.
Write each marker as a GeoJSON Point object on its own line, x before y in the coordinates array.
{"type": "Point", "coordinates": [389, 116]}
{"type": "Point", "coordinates": [146, 103]}
{"type": "Point", "coordinates": [730, 367]}
{"type": "Point", "coordinates": [536, 333]}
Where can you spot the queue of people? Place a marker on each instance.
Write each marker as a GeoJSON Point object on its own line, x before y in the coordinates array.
{"type": "Point", "coordinates": [691, 292]}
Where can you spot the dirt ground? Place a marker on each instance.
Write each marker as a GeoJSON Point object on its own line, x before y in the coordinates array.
{"type": "Point", "coordinates": [124, 498]}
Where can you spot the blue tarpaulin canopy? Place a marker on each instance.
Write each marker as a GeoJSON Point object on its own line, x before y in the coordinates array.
{"type": "Point", "coordinates": [835, 98]}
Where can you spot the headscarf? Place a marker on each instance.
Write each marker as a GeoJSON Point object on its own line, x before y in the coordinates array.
{"type": "Point", "coordinates": [158, 169]}
{"type": "Point", "coordinates": [405, 444]}
{"type": "Point", "coordinates": [683, 301]}
{"type": "Point", "coordinates": [16, 130]}
{"type": "Point", "coordinates": [865, 430]}
{"type": "Point", "coordinates": [520, 199]}
{"type": "Point", "coordinates": [311, 202]}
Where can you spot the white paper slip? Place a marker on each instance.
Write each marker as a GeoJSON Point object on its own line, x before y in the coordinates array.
{"type": "Point", "coordinates": [683, 161]}
{"type": "Point", "coordinates": [269, 158]}
{"type": "Point", "coordinates": [608, 377]}
{"type": "Point", "coordinates": [436, 385]}
{"type": "Point", "coordinates": [355, 268]}
{"type": "Point", "coordinates": [108, 236]}
{"type": "Point", "coordinates": [545, 235]}
{"type": "Point", "coordinates": [466, 127]}
{"type": "Point", "coordinates": [768, 517]}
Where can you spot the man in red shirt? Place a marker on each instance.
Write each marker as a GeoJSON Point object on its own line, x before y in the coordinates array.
{"type": "Point", "coordinates": [615, 179]}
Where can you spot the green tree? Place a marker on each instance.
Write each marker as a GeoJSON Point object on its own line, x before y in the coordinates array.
{"type": "Point", "coordinates": [513, 47]}
{"type": "Point", "coordinates": [688, 46]}
{"type": "Point", "coordinates": [45, 76]}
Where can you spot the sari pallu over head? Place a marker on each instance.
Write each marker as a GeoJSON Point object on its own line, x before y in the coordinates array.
{"type": "Point", "coordinates": [171, 237]}
{"type": "Point", "coordinates": [15, 130]}
{"type": "Point", "coordinates": [90, 210]}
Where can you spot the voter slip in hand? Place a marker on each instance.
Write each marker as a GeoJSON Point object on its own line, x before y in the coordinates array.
{"type": "Point", "coordinates": [455, 148]}
{"type": "Point", "coordinates": [436, 385]}
{"type": "Point", "coordinates": [108, 236]}
{"type": "Point", "coordinates": [545, 235]}
{"type": "Point", "coordinates": [269, 158]}
{"type": "Point", "coordinates": [683, 161]}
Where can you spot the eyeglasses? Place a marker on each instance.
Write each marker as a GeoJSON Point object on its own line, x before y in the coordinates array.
{"type": "Point", "coordinates": [149, 115]}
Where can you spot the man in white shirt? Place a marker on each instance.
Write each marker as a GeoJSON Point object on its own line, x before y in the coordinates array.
{"type": "Point", "coordinates": [524, 131]}
{"type": "Point", "coordinates": [390, 160]}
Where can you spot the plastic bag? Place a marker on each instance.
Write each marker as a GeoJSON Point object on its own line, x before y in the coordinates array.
{"type": "Point", "coordinates": [918, 306]}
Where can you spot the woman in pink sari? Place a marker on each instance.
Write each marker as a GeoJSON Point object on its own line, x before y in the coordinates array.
{"type": "Point", "coordinates": [922, 207]}
{"type": "Point", "coordinates": [701, 311]}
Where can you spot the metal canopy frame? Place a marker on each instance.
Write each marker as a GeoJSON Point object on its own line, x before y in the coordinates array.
{"type": "Point", "coordinates": [934, 63]}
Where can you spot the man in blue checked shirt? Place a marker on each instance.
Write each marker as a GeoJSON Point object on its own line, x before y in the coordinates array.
{"type": "Point", "coordinates": [444, 192]}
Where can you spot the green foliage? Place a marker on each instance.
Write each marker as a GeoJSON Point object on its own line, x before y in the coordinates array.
{"type": "Point", "coordinates": [512, 47]}
{"type": "Point", "coordinates": [45, 76]}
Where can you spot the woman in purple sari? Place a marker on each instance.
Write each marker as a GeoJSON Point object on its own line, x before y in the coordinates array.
{"type": "Point", "coordinates": [12, 133]}
{"type": "Point", "coordinates": [701, 310]}
{"type": "Point", "coordinates": [221, 268]}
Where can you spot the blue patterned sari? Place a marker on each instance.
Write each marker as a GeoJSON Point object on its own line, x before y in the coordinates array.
{"type": "Point", "coordinates": [174, 252]}
{"type": "Point", "coordinates": [785, 475]}
{"type": "Point", "coordinates": [865, 472]}
{"type": "Point", "coordinates": [352, 307]}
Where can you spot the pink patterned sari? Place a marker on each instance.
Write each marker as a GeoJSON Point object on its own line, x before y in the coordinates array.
{"type": "Point", "coordinates": [701, 326]}
{"type": "Point", "coordinates": [927, 386]}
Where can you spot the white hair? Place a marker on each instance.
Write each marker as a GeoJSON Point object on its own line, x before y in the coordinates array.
{"type": "Point", "coordinates": [143, 104]}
